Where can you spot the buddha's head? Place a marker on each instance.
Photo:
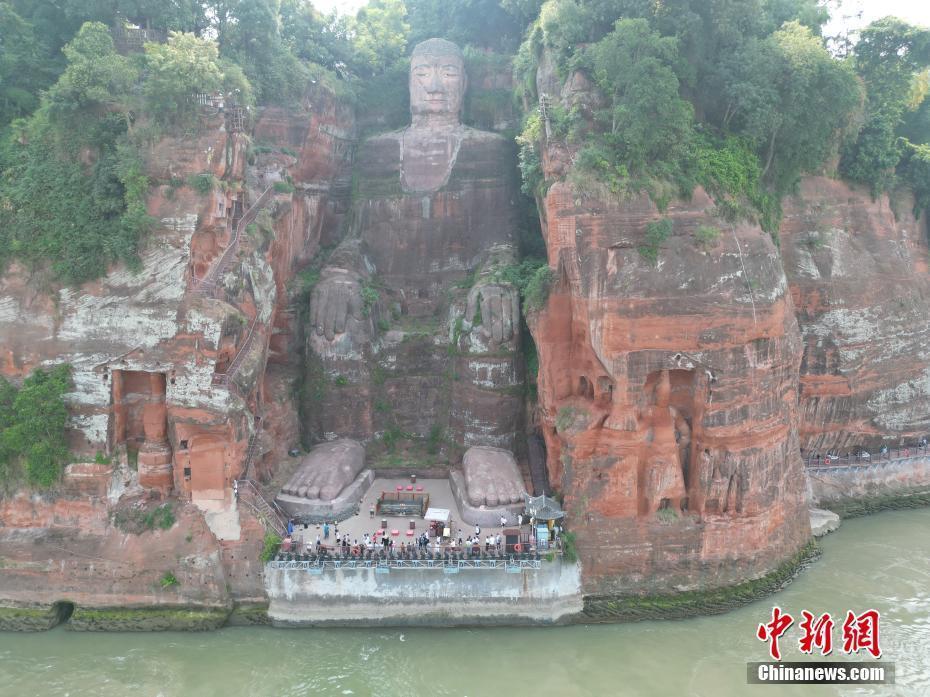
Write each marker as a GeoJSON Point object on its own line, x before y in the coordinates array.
{"type": "Point", "coordinates": [437, 81]}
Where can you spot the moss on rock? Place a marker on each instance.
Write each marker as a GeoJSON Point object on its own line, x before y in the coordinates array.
{"type": "Point", "coordinates": [853, 507]}
{"type": "Point", "coordinates": [147, 619]}
{"type": "Point", "coordinates": [29, 619]}
{"type": "Point", "coordinates": [613, 608]}
{"type": "Point", "coordinates": [249, 614]}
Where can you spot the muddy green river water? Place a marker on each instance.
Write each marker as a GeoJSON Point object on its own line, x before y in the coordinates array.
{"type": "Point", "coordinates": [880, 562]}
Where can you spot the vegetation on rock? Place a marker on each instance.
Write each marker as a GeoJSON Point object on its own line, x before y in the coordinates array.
{"type": "Point", "coordinates": [33, 444]}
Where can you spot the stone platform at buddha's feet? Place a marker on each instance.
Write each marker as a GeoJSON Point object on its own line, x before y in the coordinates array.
{"type": "Point", "coordinates": [329, 484]}
{"type": "Point", "coordinates": [488, 486]}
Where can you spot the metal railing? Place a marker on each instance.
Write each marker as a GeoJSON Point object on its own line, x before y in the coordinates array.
{"type": "Point", "coordinates": [268, 511]}
{"type": "Point", "coordinates": [234, 365]}
{"type": "Point", "coordinates": [207, 284]}
{"type": "Point", "coordinates": [446, 565]}
{"type": "Point", "coordinates": [864, 459]}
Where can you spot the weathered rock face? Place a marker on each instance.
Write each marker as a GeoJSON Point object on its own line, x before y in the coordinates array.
{"type": "Point", "coordinates": [669, 396]}
{"type": "Point", "coordinates": [411, 332]}
{"type": "Point", "coordinates": [859, 278]}
{"type": "Point", "coordinates": [174, 370]}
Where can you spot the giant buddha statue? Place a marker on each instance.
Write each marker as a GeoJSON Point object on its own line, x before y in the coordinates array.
{"type": "Point", "coordinates": [413, 331]}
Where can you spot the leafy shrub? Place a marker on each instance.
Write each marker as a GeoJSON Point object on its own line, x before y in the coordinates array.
{"type": "Point", "coordinates": [656, 233]}
{"type": "Point", "coordinates": [270, 547]}
{"type": "Point", "coordinates": [283, 187]}
{"type": "Point", "coordinates": [435, 439]}
{"type": "Point", "coordinates": [168, 580]}
{"type": "Point", "coordinates": [707, 236]}
{"type": "Point", "coordinates": [369, 298]}
{"type": "Point", "coordinates": [138, 521]}
{"type": "Point", "coordinates": [175, 72]}
{"type": "Point", "coordinates": [32, 427]}
{"type": "Point", "coordinates": [203, 184]}
{"type": "Point", "coordinates": [667, 515]}
{"type": "Point", "coordinates": [569, 551]}
{"type": "Point", "coordinates": [537, 289]}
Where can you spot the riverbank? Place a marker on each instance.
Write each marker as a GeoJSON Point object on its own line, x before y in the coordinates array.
{"type": "Point", "coordinates": [881, 562]}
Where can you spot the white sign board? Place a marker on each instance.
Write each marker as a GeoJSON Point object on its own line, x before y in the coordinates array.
{"type": "Point", "coordinates": [440, 515]}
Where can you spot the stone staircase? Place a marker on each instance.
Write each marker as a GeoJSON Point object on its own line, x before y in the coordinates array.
{"type": "Point", "coordinates": [226, 377]}
{"type": "Point", "coordinates": [207, 285]}
{"type": "Point", "coordinates": [539, 473]}
{"type": "Point", "coordinates": [273, 518]}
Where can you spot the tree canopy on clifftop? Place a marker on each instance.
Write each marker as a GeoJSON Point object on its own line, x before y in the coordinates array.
{"type": "Point", "coordinates": [741, 97]}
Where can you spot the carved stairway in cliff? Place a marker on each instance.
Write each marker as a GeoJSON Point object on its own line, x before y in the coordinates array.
{"type": "Point", "coordinates": [271, 515]}
{"type": "Point", "coordinates": [225, 377]}
{"type": "Point", "coordinates": [341, 188]}
{"type": "Point", "coordinates": [539, 474]}
{"type": "Point", "coordinates": [248, 492]}
{"type": "Point", "coordinates": [208, 284]}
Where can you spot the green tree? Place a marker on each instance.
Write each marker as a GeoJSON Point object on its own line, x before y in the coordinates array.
{"type": "Point", "coordinates": [97, 80]}
{"type": "Point", "coordinates": [35, 437]}
{"type": "Point", "coordinates": [646, 123]}
{"type": "Point", "coordinates": [792, 102]}
{"type": "Point", "coordinates": [22, 70]}
{"type": "Point", "coordinates": [380, 34]}
{"type": "Point", "coordinates": [888, 57]}
{"type": "Point", "coordinates": [176, 71]}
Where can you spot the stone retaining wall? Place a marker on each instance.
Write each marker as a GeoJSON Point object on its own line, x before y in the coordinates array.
{"type": "Point", "coordinates": [884, 484]}
{"type": "Point", "coordinates": [424, 597]}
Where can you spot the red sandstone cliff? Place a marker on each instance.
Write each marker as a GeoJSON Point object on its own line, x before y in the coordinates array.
{"type": "Point", "coordinates": [858, 273]}
{"type": "Point", "coordinates": [667, 392]}
{"type": "Point", "coordinates": [176, 373]}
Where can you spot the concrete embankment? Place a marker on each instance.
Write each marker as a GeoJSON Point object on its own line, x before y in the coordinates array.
{"type": "Point", "coordinates": [852, 490]}
{"type": "Point", "coordinates": [424, 597]}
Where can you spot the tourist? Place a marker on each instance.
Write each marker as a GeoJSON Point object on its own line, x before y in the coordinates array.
{"type": "Point", "coordinates": [503, 520]}
{"type": "Point", "coordinates": [325, 531]}
{"type": "Point", "coordinates": [290, 528]}
{"type": "Point", "coordinates": [498, 542]}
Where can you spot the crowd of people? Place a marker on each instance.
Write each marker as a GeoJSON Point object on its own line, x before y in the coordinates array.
{"type": "Point", "coordinates": [381, 540]}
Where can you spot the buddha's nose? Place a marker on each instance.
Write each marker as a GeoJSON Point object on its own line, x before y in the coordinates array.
{"type": "Point", "coordinates": [435, 84]}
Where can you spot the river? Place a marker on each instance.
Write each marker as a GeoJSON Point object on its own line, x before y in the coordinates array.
{"type": "Point", "coordinates": [882, 561]}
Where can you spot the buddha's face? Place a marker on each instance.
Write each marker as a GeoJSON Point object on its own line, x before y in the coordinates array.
{"type": "Point", "coordinates": [437, 84]}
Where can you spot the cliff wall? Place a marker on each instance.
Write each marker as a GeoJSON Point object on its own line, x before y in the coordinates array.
{"type": "Point", "coordinates": [858, 272]}
{"type": "Point", "coordinates": [669, 396]}
{"type": "Point", "coordinates": [171, 372]}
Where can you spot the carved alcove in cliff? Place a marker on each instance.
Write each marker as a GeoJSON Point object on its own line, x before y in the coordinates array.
{"type": "Point", "coordinates": [140, 421]}
{"type": "Point", "coordinates": [674, 403]}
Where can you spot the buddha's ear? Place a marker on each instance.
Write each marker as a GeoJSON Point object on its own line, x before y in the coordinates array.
{"type": "Point", "coordinates": [464, 90]}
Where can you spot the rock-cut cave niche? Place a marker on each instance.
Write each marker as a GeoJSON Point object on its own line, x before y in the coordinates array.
{"type": "Point", "coordinates": [672, 402]}
{"type": "Point", "coordinates": [140, 421]}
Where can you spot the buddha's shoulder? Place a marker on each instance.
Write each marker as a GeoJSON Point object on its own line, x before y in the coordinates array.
{"type": "Point", "coordinates": [473, 135]}
{"type": "Point", "coordinates": [380, 153]}
{"type": "Point", "coordinates": [385, 140]}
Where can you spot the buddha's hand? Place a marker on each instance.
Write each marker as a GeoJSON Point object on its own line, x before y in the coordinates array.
{"type": "Point", "coordinates": [335, 301]}
{"type": "Point", "coordinates": [494, 308]}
